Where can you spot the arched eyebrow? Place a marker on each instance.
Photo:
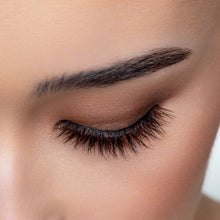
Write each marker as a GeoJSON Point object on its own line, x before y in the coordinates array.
{"type": "Point", "coordinates": [121, 71]}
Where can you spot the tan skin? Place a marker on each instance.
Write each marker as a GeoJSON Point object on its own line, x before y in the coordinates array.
{"type": "Point", "coordinates": [40, 177]}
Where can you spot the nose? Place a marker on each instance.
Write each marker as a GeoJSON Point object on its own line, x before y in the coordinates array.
{"type": "Point", "coordinates": [15, 192]}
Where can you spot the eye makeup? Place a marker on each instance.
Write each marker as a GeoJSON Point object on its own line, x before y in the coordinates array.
{"type": "Point", "coordinates": [115, 142]}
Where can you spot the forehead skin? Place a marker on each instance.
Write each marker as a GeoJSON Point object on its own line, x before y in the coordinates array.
{"type": "Point", "coordinates": [42, 38]}
{"type": "Point", "coordinates": [45, 38]}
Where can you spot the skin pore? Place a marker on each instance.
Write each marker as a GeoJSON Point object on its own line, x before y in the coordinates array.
{"type": "Point", "coordinates": [43, 178]}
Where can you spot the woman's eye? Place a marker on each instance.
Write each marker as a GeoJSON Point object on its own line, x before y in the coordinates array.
{"type": "Point", "coordinates": [116, 142]}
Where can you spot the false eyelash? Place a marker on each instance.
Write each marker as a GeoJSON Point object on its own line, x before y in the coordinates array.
{"type": "Point", "coordinates": [113, 141]}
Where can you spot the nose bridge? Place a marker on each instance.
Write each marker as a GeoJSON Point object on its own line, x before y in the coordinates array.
{"type": "Point", "coordinates": [13, 171]}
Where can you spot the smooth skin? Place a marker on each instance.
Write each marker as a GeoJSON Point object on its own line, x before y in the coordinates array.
{"type": "Point", "coordinates": [43, 178]}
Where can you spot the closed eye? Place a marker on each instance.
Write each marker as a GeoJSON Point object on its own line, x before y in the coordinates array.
{"type": "Point", "coordinates": [114, 142]}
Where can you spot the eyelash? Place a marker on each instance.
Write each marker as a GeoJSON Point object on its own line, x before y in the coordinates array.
{"type": "Point", "coordinates": [114, 141]}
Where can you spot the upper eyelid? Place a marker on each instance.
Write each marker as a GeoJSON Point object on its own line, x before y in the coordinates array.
{"type": "Point", "coordinates": [167, 112]}
{"type": "Point", "coordinates": [107, 130]}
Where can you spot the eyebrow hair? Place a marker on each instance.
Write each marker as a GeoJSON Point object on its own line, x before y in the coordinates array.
{"type": "Point", "coordinates": [124, 70]}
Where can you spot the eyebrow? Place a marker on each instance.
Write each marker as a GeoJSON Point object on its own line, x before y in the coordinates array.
{"type": "Point", "coordinates": [120, 71]}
